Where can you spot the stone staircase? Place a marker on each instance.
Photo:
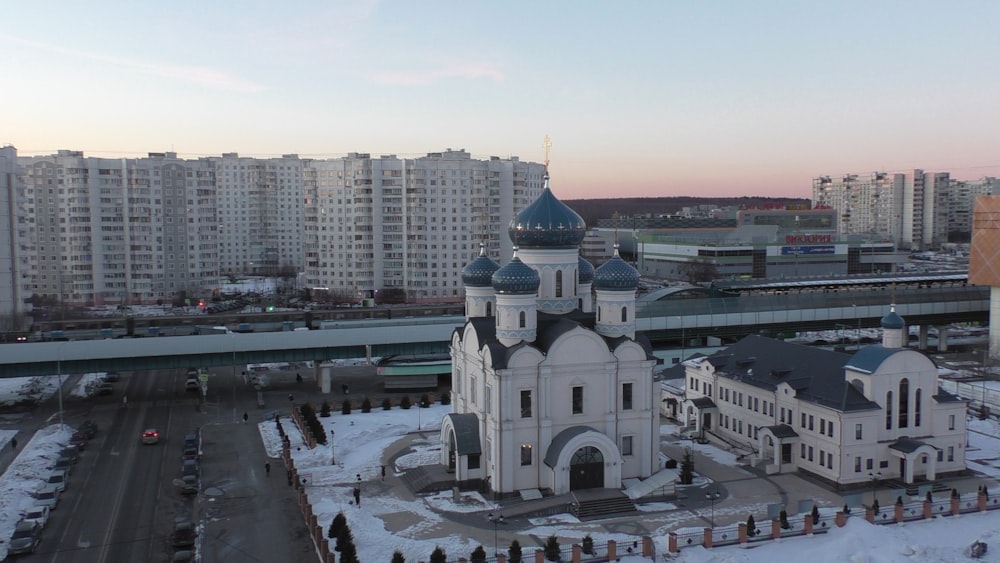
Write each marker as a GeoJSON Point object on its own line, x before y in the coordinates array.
{"type": "Point", "coordinates": [913, 489]}
{"type": "Point", "coordinates": [592, 504]}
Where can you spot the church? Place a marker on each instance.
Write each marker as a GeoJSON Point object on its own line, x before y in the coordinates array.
{"type": "Point", "coordinates": [552, 387]}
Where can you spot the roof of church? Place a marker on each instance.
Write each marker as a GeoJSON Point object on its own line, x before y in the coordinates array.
{"type": "Point", "coordinates": [869, 358]}
{"type": "Point", "coordinates": [616, 274]}
{"type": "Point", "coordinates": [560, 440]}
{"type": "Point", "coordinates": [585, 270]}
{"type": "Point", "coordinates": [817, 375]}
{"type": "Point", "coordinates": [479, 272]}
{"type": "Point", "coordinates": [550, 328]}
{"type": "Point", "coordinates": [892, 320]}
{"type": "Point", "coordinates": [547, 223]}
{"type": "Point", "coordinates": [516, 278]}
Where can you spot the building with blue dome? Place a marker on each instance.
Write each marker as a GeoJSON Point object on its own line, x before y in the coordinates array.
{"type": "Point", "coordinates": [552, 388]}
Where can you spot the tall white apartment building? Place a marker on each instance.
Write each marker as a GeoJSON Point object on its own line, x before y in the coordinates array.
{"type": "Point", "coordinates": [261, 206]}
{"type": "Point", "coordinates": [102, 231]}
{"type": "Point", "coordinates": [962, 198]}
{"type": "Point", "coordinates": [10, 286]}
{"type": "Point", "coordinates": [409, 224]}
{"type": "Point", "coordinates": [912, 208]}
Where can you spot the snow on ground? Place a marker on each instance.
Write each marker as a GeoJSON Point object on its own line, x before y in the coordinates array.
{"type": "Point", "coordinates": [384, 524]}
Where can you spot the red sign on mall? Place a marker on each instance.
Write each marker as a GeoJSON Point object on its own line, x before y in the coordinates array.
{"type": "Point", "coordinates": [808, 239]}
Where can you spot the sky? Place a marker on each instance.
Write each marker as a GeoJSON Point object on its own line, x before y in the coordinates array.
{"type": "Point", "coordinates": [672, 98]}
{"type": "Point", "coordinates": [360, 439]}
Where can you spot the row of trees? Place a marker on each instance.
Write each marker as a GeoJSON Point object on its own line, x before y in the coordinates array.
{"type": "Point", "coordinates": [366, 404]}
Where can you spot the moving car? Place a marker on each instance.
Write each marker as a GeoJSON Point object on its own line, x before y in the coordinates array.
{"type": "Point", "coordinates": [150, 436]}
{"type": "Point", "coordinates": [105, 388]}
{"type": "Point", "coordinates": [111, 376]}
{"type": "Point", "coordinates": [26, 536]}
{"type": "Point", "coordinates": [192, 384]}
{"type": "Point", "coordinates": [38, 515]}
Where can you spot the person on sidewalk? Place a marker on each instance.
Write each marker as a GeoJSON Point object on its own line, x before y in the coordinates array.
{"type": "Point", "coordinates": [357, 496]}
{"type": "Point", "coordinates": [245, 417]}
{"type": "Point", "coordinates": [13, 444]}
{"type": "Point", "coordinates": [383, 473]}
{"type": "Point", "coordinates": [267, 468]}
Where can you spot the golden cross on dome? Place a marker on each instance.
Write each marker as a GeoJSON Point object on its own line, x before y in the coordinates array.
{"type": "Point", "coordinates": [547, 145]}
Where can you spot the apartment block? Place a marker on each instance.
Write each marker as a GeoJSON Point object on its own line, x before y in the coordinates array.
{"type": "Point", "coordinates": [10, 287]}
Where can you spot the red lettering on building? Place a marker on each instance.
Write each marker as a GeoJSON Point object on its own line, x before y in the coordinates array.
{"type": "Point", "coordinates": [808, 239]}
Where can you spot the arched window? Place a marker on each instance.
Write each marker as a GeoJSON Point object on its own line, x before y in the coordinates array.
{"type": "Point", "coordinates": [559, 275]}
{"type": "Point", "coordinates": [888, 410]}
{"type": "Point", "coordinates": [521, 319]}
{"type": "Point", "coordinates": [859, 385]}
{"type": "Point", "coordinates": [624, 314]}
{"type": "Point", "coordinates": [599, 310]}
{"type": "Point", "coordinates": [489, 309]}
{"type": "Point", "coordinates": [916, 408]}
{"type": "Point", "coordinates": [904, 402]}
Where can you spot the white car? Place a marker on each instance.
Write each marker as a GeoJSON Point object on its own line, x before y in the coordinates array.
{"type": "Point", "coordinates": [58, 479]}
{"type": "Point", "coordinates": [47, 496]}
{"type": "Point", "coordinates": [38, 515]}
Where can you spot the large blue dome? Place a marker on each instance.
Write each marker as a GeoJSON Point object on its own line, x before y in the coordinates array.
{"type": "Point", "coordinates": [585, 271]}
{"type": "Point", "coordinates": [516, 278]}
{"type": "Point", "coordinates": [547, 223]}
{"type": "Point", "coordinates": [616, 274]}
{"type": "Point", "coordinates": [479, 272]}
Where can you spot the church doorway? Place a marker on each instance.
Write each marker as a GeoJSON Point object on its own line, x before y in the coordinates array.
{"type": "Point", "coordinates": [586, 469]}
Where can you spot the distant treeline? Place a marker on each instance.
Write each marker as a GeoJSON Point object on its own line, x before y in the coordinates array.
{"type": "Point", "coordinates": [593, 209]}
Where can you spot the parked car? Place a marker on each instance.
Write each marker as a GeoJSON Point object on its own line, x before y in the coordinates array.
{"type": "Point", "coordinates": [183, 556]}
{"type": "Point", "coordinates": [38, 514]}
{"type": "Point", "coordinates": [189, 467]}
{"type": "Point", "coordinates": [189, 485]}
{"type": "Point", "coordinates": [89, 428]}
{"type": "Point", "coordinates": [112, 376]}
{"type": "Point", "coordinates": [25, 539]}
{"type": "Point", "coordinates": [150, 436]}
{"type": "Point", "coordinates": [105, 388]}
{"type": "Point", "coordinates": [64, 463]}
{"type": "Point", "coordinates": [190, 452]}
{"type": "Point", "coordinates": [47, 495]}
{"type": "Point", "coordinates": [57, 479]}
{"type": "Point", "coordinates": [71, 452]}
{"type": "Point", "coordinates": [184, 534]}
{"type": "Point", "coordinates": [78, 440]}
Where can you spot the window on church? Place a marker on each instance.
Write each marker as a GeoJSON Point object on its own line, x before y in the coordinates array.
{"type": "Point", "coordinates": [624, 314]}
{"type": "Point", "coordinates": [857, 465]}
{"type": "Point", "coordinates": [951, 453]}
{"type": "Point", "coordinates": [488, 399]}
{"type": "Point", "coordinates": [916, 408]}
{"type": "Point", "coordinates": [888, 410]}
{"type": "Point", "coordinates": [525, 454]}
{"type": "Point", "coordinates": [626, 445]}
{"type": "Point", "coordinates": [559, 276]}
{"type": "Point", "coordinates": [951, 422]}
{"type": "Point", "coordinates": [489, 309]}
{"type": "Point", "coordinates": [521, 319]}
{"type": "Point", "coordinates": [904, 402]}
{"type": "Point", "coordinates": [526, 403]}
{"type": "Point", "coordinates": [473, 461]}
{"type": "Point", "coordinates": [578, 400]}
{"type": "Point", "coordinates": [626, 396]}
{"type": "Point", "coordinates": [858, 431]}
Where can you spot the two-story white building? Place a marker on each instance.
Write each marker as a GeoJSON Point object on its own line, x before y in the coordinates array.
{"type": "Point", "coordinates": [552, 388]}
{"type": "Point", "coordinates": [840, 417]}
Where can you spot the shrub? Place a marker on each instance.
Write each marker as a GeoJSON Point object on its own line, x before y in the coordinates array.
{"type": "Point", "coordinates": [445, 398]}
{"type": "Point", "coordinates": [438, 555]}
{"type": "Point", "coordinates": [687, 468]}
{"type": "Point", "coordinates": [324, 409]}
{"type": "Point", "coordinates": [349, 554]}
{"type": "Point", "coordinates": [344, 537]}
{"type": "Point", "coordinates": [478, 555]}
{"type": "Point", "coordinates": [386, 404]}
{"type": "Point", "coordinates": [751, 527]}
{"type": "Point", "coordinates": [815, 515]}
{"type": "Point", "coordinates": [425, 401]}
{"type": "Point", "coordinates": [366, 405]}
{"type": "Point", "coordinates": [588, 544]}
{"type": "Point", "coordinates": [346, 407]}
{"type": "Point", "coordinates": [339, 521]}
{"type": "Point", "coordinates": [307, 411]}
{"type": "Point", "coordinates": [552, 551]}
{"type": "Point", "coordinates": [397, 557]}
{"type": "Point", "coordinates": [404, 403]}
{"type": "Point", "coordinates": [514, 552]}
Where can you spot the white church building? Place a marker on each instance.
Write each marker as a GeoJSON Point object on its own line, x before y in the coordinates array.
{"type": "Point", "coordinates": [552, 388]}
{"type": "Point", "coordinates": [846, 419]}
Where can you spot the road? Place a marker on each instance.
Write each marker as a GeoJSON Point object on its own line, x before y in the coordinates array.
{"type": "Point", "coordinates": [121, 499]}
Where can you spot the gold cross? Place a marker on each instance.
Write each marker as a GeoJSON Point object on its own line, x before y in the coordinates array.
{"type": "Point", "coordinates": [547, 145]}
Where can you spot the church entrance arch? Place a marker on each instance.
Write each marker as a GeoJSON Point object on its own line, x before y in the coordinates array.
{"type": "Point", "coordinates": [586, 469]}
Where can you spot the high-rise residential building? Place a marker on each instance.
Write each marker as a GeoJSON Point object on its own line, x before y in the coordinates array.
{"type": "Point", "coordinates": [962, 199]}
{"type": "Point", "coordinates": [10, 286]}
{"type": "Point", "coordinates": [115, 230]}
{"type": "Point", "coordinates": [409, 225]}
{"type": "Point", "coordinates": [914, 208]}
{"type": "Point", "coordinates": [260, 208]}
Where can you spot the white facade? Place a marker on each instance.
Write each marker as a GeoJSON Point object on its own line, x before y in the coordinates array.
{"type": "Point", "coordinates": [10, 285]}
{"type": "Point", "coordinates": [544, 397]}
{"type": "Point", "coordinates": [884, 416]}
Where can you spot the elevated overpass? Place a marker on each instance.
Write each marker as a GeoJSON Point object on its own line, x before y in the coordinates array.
{"type": "Point", "coordinates": [667, 322]}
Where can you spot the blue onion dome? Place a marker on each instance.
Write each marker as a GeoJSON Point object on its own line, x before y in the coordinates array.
{"type": "Point", "coordinates": [892, 320]}
{"type": "Point", "coordinates": [479, 272]}
{"type": "Point", "coordinates": [516, 278]}
{"type": "Point", "coordinates": [547, 223]}
{"type": "Point", "coordinates": [585, 271]}
{"type": "Point", "coordinates": [616, 274]}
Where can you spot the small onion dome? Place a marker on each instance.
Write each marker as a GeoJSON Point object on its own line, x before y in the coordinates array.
{"type": "Point", "coordinates": [547, 223]}
{"type": "Point", "coordinates": [516, 278]}
{"type": "Point", "coordinates": [892, 320]}
{"type": "Point", "coordinates": [586, 271]}
{"type": "Point", "coordinates": [616, 274]}
{"type": "Point", "coordinates": [479, 272]}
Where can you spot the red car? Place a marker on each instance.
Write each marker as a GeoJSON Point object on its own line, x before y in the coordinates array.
{"type": "Point", "coordinates": [78, 440]}
{"type": "Point", "coordinates": [150, 436]}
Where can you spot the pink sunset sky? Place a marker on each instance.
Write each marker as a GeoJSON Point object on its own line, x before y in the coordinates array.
{"type": "Point", "coordinates": [724, 98]}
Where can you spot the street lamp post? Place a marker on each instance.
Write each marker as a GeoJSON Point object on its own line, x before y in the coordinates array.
{"type": "Point", "coordinates": [333, 452]}
{"type": "Point", "coordinates": [874, 478]}
{"type": "Point", "coordinates": [712, 497]}
{"type": "Point", "coordinates": [854, 307]}
{"type": "Point", "coordinates": [496, 519]}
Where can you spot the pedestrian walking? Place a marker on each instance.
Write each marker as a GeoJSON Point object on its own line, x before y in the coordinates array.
{"type": "Point", "coordinates": [13, 444]}
{"type": "Point", "coordinates": [298, 377]}
{"type": "Point", "coordinates": [383, 473]}
{"type": "Point", "coordinates": [125, 401]}
{"type": "Point", "coordinates": [267, 468]}
{"type": "Point", "coordinates": [245, 417]}
{"type": "Point", "coordinates": [343, 387]}
{"type": "Point", "coordinates": [357, 496]}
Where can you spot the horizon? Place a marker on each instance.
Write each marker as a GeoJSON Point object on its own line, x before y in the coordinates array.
{"type": "Point", "coordinates": [640, 99]}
